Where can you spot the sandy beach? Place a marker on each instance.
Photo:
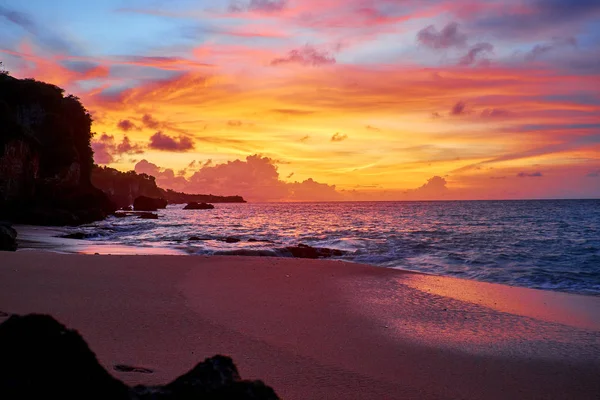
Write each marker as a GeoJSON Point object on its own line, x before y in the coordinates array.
{"type": "Point", "coordinates": [316, 329]}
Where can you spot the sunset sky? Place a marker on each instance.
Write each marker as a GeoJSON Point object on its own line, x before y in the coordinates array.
{"type": "Point", "coordinates": [332, 99]}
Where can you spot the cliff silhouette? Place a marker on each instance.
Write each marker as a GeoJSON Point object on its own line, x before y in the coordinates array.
{"type": "Point", "coordinates": [45, 156]}
{"type": "Point", "coordinates": [124, 187]}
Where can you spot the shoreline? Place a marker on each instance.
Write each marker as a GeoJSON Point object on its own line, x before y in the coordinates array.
{"type": "Point", "coordinates": [314, 328]}
{"type": "Point", "coordinates": [32, 238]}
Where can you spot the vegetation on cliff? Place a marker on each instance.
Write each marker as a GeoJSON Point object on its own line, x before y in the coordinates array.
{"type": "Point", "coordinates": [45, 156]}
{"type": "Point", "coordinates": [124, 187]}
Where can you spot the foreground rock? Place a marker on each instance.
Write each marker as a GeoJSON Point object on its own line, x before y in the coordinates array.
{"type": "Point", "coordinates": [198, 206]}
{"type": "Point", "coordinates": [8, 238]}
{"type": "Point", "coordinates": [144, 203]}
{"type": "Point", "coordinates": [305, 251]}
{"type": "Point", "coordinates": [42, 359]}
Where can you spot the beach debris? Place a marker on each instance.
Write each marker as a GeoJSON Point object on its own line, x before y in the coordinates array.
{"type": "Point", "coordinates": [41, 358]}
{"type": "Point", "coordinates": [198, 206]}
{"type": "Point", "coordinates": [143, 203]}
{"type": "Point", "coordinates": [8, 238]}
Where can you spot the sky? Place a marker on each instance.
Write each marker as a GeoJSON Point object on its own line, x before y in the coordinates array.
{"type": "Point", "coordinates": [329, 100]}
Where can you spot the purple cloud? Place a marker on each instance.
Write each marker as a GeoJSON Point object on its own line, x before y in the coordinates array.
{"type": "Point", "coordinates": [126, 125]}
{"type": "Point", "coordinates": [536, 174]}
{"type": "Point", "coordinates": [149, 122]}
{"type": "Point", "coordinates": [448, 37]}
{"type": "Point", "coordinates": [306, 55]}
{"type": "Point", "coordinates": [476, 51]}
{"type": "Point", "coordinates": [164, 142]}
{"type": "Point", "coordinates": [458, 108]}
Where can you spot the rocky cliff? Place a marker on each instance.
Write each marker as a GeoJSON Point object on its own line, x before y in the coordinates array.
{"type": "Point", "coordinates": [124, 187]}
{"type": "Point", "coordinates": [45, 156]}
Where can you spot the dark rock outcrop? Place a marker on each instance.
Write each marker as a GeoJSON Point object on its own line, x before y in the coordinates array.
{"type": "Point", "coordinates": [143, 203]}
{"type": "Point", "coordinates": [305, 251]}
{"type": "Point", "coordinates": [46, 157]}
{"type": "Point", "coordinates": [42, 359]}
{"type": "Point", "coordinates": [231, 240]}
{"type": "Point", "coordinates": [198, 206]}
{"type": "Point", "coordinates": [124, 187]}
{"type": "Point", "coordinates": [183, 198]}
{"type": "Point", "coordinates": [8, 238]}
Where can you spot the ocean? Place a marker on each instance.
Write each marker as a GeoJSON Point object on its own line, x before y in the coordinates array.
{"type": "Point", "coordinates": [545, 244]}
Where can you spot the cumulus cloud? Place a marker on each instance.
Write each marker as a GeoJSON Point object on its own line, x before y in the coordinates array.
{"type": "Point", "coordinates": [126, 125]}
{"type": "Point", "coordinates": [108, 150]}
{"type": "Point", "coordinates": [165, 177]}
{"type": "Point", "coordinates": [164, 142]}
{"type": "Point", "coordinates": [448, 37]}
{"type": "Point", "coordinates": [477, 52]}
{"type": "Point", "coordinates": [435, 188]}
{"type": "Point", "coordinates": [307, 55]}
{"type": "Point", "coordinates": [338, 137]}
{"type": "Point", "coordinates": [256, 179]}
{"type": "Point", "coordinates": [536, 174]}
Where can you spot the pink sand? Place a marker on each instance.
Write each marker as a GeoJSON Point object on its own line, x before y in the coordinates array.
{"type": "Point", "coordinates": [316, 329]}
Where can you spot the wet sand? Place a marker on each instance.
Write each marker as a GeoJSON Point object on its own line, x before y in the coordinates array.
{"type": "Point", "coordinates": [316, 329]}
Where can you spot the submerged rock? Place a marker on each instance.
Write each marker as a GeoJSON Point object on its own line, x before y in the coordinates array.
{"type": "Point", "coordinates": [305, 251]}
{"type": "Point", "coordinates": [148, 215]}
{"type": "Point", "coordinates": [41, 358]}
{"type": "Point", "coordinates": [8, 238]}
{"type": "Point", "coordinates": [198, 206]}
{"type": "Point", "coordinates": [76, 235]}
{"type": "Point", "coordinates": [231, 240]}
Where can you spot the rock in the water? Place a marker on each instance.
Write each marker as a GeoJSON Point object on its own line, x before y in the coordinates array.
{"type": "Point", "coordinates": [231, 240]}
{"type": "Point", "coordinates": [198, 206]}
{"type": "Point", "coordinates": [305, 251]}
{"type": "Point", "coordinates": [124, 214]}
{"type": "Point", "coordinates": [198, 239]}
{"type": "Point", "coordinates": [42, 359]}
{"type": "Point", "coordinates": [127, 208]}
{"type": "Point", "coordinates": [8, 238]}
{"type": "Point", "coordinates": [147, 215]}
{"type": "Point", "coordinates": [144, 203]}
